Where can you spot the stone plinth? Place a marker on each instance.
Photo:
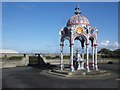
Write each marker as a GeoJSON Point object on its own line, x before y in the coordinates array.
{"type": "Point", "coordinates": [81, 74]}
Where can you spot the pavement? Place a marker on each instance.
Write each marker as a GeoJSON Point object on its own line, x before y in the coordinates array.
{"type": "Point", "coordinates": [80, 74]}
{"type": "Point", "coordinates": [32, 77]}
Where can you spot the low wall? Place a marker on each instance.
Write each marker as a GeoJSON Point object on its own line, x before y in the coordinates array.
{"type": "Point", "coordinates": [14, 63]}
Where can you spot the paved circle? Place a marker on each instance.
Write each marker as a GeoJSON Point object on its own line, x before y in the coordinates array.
{"type": "Point", "coordinates": [30, 77]}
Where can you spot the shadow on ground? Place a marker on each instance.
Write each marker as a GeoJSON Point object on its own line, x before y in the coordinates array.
{"type": "Point", "coordinates": [42, 64]}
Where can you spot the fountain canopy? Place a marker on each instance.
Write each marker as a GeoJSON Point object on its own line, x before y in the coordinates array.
{"type": "Point", "coordinates": [78, 28]}
{"type": "Point", "coordinates": [78, 20]}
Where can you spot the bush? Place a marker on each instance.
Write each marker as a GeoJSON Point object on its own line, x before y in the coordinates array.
{"type": "Point", "coordinates": [36, 60]}
{"type": "Point", "coordinates": [33, 60]}
{"type": "Point", "coordinates": [49, 57]}
{"type": "Point", "coordinates": [57, 56]}
{"type": "Point", "coordinates": [15, 58]}
{"type": "Point", "coordinates": [66, 57]}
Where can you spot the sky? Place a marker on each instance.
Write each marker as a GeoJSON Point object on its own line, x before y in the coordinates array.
{"type": "Point", "coordinates": [34, 26]}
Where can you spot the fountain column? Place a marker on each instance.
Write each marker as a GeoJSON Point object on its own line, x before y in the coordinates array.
{"type": "Point", "coordinates": [96, 66]}
{"type": "Point", "coordinates": [71, 58]}
{"type": "Point", "coordinates": [93, 66]}
{"type": "Point", "coordinates": [61, 57]}
{"type": "Point", "coordinates": [87, 58]}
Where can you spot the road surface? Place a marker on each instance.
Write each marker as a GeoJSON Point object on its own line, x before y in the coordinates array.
{"type": "Point", "coordinates": [30, 77]}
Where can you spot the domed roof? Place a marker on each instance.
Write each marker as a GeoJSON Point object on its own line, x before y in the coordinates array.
{"type": "Point", "coordinates": [78, 19]}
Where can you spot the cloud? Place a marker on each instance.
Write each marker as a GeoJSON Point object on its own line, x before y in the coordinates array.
{"type": "Point", "coordinates": [116, 45]}
{"type": "Point", "coordinates": [105, 43]}
{"type": "Point", "coordinates": [108, 45]}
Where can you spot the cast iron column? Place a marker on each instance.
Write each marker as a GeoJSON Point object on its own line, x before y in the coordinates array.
{"type": "Point", "coordinates": [71, 51]}
{"type": "Point", "coordinates": [96, 66]}
{"type": "Point", "coordinates": [71, 58]}
{"type": "Point", "coordinates": [93, 57]}
{"type": "Point", "coordinates": [61, 57]}
{"type": "Point", "coordinates": [87, 58]}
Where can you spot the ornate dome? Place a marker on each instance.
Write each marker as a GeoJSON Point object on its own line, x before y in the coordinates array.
{"type": "Point", "coordinates": [78, 19]}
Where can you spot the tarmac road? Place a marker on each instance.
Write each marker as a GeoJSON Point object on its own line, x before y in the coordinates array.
{"type": "Point", "coordinates": [30, 77]}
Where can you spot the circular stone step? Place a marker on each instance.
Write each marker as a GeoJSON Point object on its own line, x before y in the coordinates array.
{"type": "Point", "coordinates": [82, 74]}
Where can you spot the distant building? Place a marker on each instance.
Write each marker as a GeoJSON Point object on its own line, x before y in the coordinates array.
{"type": "Point", "coordinates": [9, 53]}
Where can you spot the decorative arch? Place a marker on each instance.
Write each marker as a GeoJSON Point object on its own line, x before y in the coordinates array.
{"type": "Point", "coordinates": [92, 30]}
{"type": "Point", "coordinates": [94, 38]}
{"type": "Point", "coordinates": [64, 38]}
{"type": "Point", "coordinates": [80, 35]}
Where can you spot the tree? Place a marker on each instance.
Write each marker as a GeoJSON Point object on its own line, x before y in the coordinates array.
{"type": "Point", "coordinates": [116, 53]}
{"type": "Point", "coordinates": [105, 53]}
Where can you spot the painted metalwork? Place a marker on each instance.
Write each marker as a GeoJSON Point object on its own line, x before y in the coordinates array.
{"type": "Point", "coordinates": [78, 28]}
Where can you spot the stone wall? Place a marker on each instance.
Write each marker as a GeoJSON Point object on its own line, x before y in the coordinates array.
{"type": "Point", "coordinates": [14, 63]}
{"type": "Point", "coordinates": [4, 55]}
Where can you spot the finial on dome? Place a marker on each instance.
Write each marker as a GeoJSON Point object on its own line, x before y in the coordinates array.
{"type": "Point", "coordinates": [77, 10]}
